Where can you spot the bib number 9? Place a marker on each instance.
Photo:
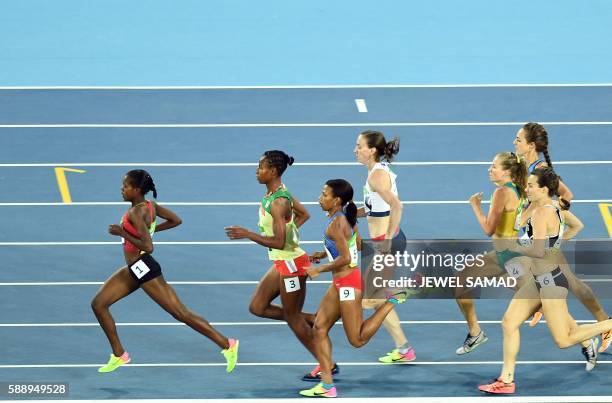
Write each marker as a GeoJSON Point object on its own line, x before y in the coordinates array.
{"type": "Point", "coordinates": [347, 293]}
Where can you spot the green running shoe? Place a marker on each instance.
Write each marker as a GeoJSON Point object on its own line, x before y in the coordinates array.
{"type": "Point", "coordinates": [231, 354]}
{"type": "Point", "coordinates": [115, 362]}
{"type": "Point", "coordinates": [319, 391]}
{"type": "Point", "coordinates": [398, 297]}
{"type": "Point", "coordinates": [396, 357]}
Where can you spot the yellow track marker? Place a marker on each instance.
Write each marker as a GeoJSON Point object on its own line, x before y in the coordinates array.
{"type": "Point", "coordinates": [604, 209]}
{"type": "Point", "coordinates": [62, 183]}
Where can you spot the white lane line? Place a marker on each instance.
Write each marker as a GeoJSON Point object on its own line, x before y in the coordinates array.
{"type": "Point", "coordinates": [63, 283]}
{"type": "Point", "coordinates": [229, 204]}
{"type": "Point", "coordinates": [269, 364]}
{"type": "Point", "coordinates": [223, 282]}
{"type": "Point", "coordinates": [420, 399]}
{"type": "Point", "coordinates": [104, 243]}
{"type": "Point", "coordinates": [87, 243]}
{"type": "Point", "coordinates": [284, 125]}
{"type": "Point", "coordinates": [299, 86]}
{"type": "Point", "coordinates": [267, 323]}
{"type": "Point", "coordinates": [253, 164]}
{"type": "Point", "coordinates": [361, 105]}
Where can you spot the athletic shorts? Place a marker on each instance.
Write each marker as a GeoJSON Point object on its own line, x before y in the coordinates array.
{"type": "Point", "coordinates": [514, 269]}
{"type": "Point", "coordinates": [353, 279]}
{"type": "Point", "coordinates": [295, 267]}
{"type": "Point", "coordinates": [145, 269]}
{"type": "Point", "coordinates": [398, 243]}
{"type": "Point", "coordinates": [554, 278]}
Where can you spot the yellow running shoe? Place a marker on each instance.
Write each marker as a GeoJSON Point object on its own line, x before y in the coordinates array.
{"type": "Point", "coordinates": [231, 354]}
{"type": "Point", "coordinates": [115, 362]}
{"type": "Point", "coordinates": [396, 357]}
{"type": "Point", "coordinates": [319, 391]}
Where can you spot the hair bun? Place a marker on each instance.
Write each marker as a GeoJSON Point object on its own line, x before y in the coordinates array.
{"type": "Point", "coordinates": [392, 148]}
{"type": "Point", "coordinates": [290, 160]}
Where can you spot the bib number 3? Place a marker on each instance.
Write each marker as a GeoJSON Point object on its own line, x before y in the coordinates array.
{"type": "Point", "coordinates": [292, 284]}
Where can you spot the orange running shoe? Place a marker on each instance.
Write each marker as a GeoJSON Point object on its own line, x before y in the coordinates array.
{"type": "Point", "coordinates": [498, 387]}
{"type": "Point", "coordinates": [536, 318]}
{"type": "Point", "coordinates": [606, 340]}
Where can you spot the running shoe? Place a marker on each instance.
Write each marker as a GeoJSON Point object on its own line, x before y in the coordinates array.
{"type": "Point", "coordinates": [537, 317]}
{"type": "Point", "coordinates": [471, 342]}
{"type": "Point", "coordinates": [315, 374]}
{"type": "Point", "coordinates": [396, 357]}
{"type": "Point", "coordinates": [319, 391]}
{"type": "Point", "coordinates": [115, 362]}
{"type": "Point", "coordinates": [498, 387]}
{"type": "Point", "coordinates": [606, 340]}
{"type": "Point", "coordinates": [231, 354]}
{"type": "Point", "coordinates": [398, 297]}
{"type": "Point", "coordinates": [590, 354]}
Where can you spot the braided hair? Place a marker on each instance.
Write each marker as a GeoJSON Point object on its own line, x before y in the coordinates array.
{"type": "Point", "coordinates": [536, 133]}
{"type": "Point", "coordinates": [279, 160]}
{"type": "Point", "coordinates": [141, 179]}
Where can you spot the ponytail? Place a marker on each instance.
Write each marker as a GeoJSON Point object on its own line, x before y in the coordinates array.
{"type": "Point", "coordinates": [518, 170]}
{"type": "Point", "coordinates": [547, 177]}
{"type": "Point", "coordinates": [385, 150]}
{"type": "Point", "coordinates": [342, 189]}
{"type": "Point", "coordinates": [350, 211]}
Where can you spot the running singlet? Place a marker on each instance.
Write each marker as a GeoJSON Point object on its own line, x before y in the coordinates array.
{"type": "Point", "coordinates": [534, 165]}
{"type": "Point", "coordinates": [554, 242]}
{"type": "Point", "coordinates": [292, 248]}
{"type": "Point", "coordinates": [129, 228]}
{"type": "Point", "coordinates": [375, 206]}
{"type": "Point", "coordinates": [332, 250]}
{"type": "Point", "coordinates": [508, 225]}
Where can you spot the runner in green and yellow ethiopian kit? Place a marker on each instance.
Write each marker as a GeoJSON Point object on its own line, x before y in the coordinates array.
{"type": "Point", "coordinates": [280, 216]}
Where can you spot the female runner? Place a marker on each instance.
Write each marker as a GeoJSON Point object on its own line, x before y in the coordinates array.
{"type": "Point", "coordinates": [142, 271]}
{"type": "Point", "coordinates": [280, 216]}
{"type": "Point", "coordinates": [531, 142]}
{"type": "Point", "coordinates": [543, 230]}
{"type": "Point", "coordinates": [343, 297]}
{"type": "Point", "coordinates": [383, 210]}
{"type": "Point", "coordinates": [509, 174]}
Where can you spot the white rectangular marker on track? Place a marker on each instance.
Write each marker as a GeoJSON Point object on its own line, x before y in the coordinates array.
{"type": "Point", "coordinates": [361, 105]}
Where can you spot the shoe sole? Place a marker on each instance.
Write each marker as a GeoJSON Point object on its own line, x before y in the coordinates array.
{"type": "Point", "coordinates": [307, 378]}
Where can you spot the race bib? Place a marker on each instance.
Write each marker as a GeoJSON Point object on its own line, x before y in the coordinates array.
{"type": "Point", "coordinates": [347, 293]}
{"type": "Point", "coordinates": [292, 284]}
{"type": "Point", "coordinates": [514, 269]}
{"type": "Point", "coordinates": [140, 269]}
{"type": "Point", "coordinates": [546, 280]}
